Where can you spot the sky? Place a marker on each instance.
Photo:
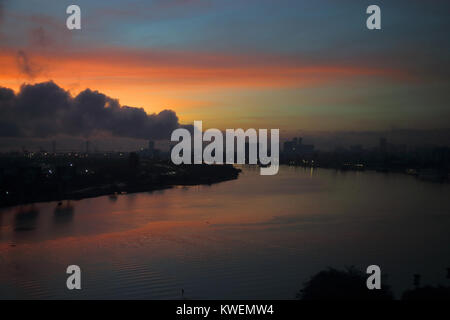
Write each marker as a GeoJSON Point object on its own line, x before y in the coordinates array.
{"type": "Point", "coordinates": [292, 65]}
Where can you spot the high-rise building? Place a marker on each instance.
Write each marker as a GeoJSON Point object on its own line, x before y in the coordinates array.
{"type": "Point", "coordinates": [296, 147]}
{"type": "Point", "coordinates": [151, 146]}
{"type": "Point", "coordinates": [383, 145]}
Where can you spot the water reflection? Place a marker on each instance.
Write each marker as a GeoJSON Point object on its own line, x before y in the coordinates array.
{"type": "Point", "coordinates": [63, 214]}
{"type": "Point", "coordinates": [113, 197]}
{"type": "Point", "coordinates": [1, 224]}
{"type": "Point", "coordinates": [26, 218]}
{"type": "Point", "coordinates": [256, 237]}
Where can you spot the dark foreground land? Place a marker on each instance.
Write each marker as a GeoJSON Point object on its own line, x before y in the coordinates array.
{"type": "Point", "coordinates": [351, 285]}
{"type": "Point", "coordinates": [48, 177]}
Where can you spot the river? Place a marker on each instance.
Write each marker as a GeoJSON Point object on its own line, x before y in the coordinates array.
{"type": "Point", "coordinates": [257, 237]}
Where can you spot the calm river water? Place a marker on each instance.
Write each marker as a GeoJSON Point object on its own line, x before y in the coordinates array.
{"type": "Point", "coordinates": [257, 237]}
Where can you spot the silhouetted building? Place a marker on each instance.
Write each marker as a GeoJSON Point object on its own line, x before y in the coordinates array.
{"type": "Point", "coordinates": [296, 147]}
{"type": "Point", "coordinates": [150, 151]}
{"type": "Point", "coordinates": [133, 160]}
{"type": "Point", "coordinates": [356, 148]}
{"type": "Point", "coordinates": [383, 145]}
{"type": "Point", "coordinates": [151, 146]}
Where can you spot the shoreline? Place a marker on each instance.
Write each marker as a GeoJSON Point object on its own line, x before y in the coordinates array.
{"type": "Point", "coordinates": [101, 191]}
{"type": "Point", "coordinates": [180, 178]}
{"type": "Point", "coordinates": [150, 177]}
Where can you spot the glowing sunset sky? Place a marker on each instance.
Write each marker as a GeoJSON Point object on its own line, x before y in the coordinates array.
{"type": "Point", "coordinates": [250, 63]}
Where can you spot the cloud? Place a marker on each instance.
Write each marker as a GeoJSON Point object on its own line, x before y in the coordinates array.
{"type": "Point", "coordinates": [45, 110]}
{"type": "Point", "coordinates": [40, 37]}
{"type": "Point", "coordinates": [25, 65]}
{"type": "Point", "coordinates": [182, 69]}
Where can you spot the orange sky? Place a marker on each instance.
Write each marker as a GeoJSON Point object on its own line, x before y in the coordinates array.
{"type": "Point", "coordinates": [184, 82]}
{"type": "Point", "coordinates": [301, 66]}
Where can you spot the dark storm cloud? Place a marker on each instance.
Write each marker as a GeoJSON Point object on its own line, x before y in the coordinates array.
{"type": "Point", "coordinates": [45, 110]}
{"type": "Point", "coordinates": [26, 66]}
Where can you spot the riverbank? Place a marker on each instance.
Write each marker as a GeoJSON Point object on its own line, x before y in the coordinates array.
{"type": "Point", "coordinates": [26, 181]}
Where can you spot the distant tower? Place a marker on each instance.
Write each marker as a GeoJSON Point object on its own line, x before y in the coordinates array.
{"type": "Point", "coordinates": [151, 146]}
{"type": "Point", "coordinates": [87, 146]}
{"type": "Point", "coordinates": [383, 145]}
{"type": "Point", "coordinates": [417, 280]}
{"type": "Point", "coordinates": [54, 146]}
